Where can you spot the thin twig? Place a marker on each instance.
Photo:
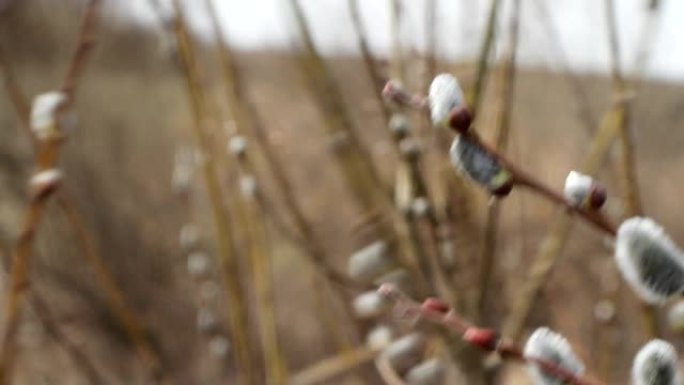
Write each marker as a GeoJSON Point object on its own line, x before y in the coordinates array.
{"type": "Point", "coordinates": [239, 329]}
{"type": "Point", "coordinates": [46, 159]}
{"type": "Point", "coordinates": [520, 177]}
{"type": "Point", "coordinates": [477, 92]}
{"type": "Point", "coordinates": [436, 311]}
{"type": "Point", "coordinates": [503, 126]}
{"type": "Point", "coordinates": [628, 180]}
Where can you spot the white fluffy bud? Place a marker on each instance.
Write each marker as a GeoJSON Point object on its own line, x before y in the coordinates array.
{"type": "Point", "coordinates": [370, 305]}
{"type": "Point", "coordinates": [582, 191]}
{"type": "Point", "coordinates": [206, 321]}
{"type": "Point", "coordinates": [198, 264]}
{"type": "Point", "coordinates": [656, 364]}
{"type": "Point", "coordinates": [577, 187]}
{"type": "Point", "coordinates": [405, 352]}
{"type": "Point", "coordinates": [650, 262]}
{"type": "Point", "coordinates": [379, 337]}
{"type": "Point", "coordinates": [444, 96]}
{"type": "Point", "coordinates": [369, 262]}
{"type": "Point", "coordinates": [219, 346]}
{"type": "Point", "coordinates": [552, 347]}
{"type": "Point", "coordinates": [237, 145]}
{"type": "Point", "coordinates": [429, 372]}
{"type": "Point", "coordinates": [675, 317]}
{"type": "Point", "coordinates": [248, 186]}
{"type": "Point", "coordinates": [45, 181]}
{"type": "Point", "coordinates": [189, 236]}
{"type": "Point", "coordinates": [480, 166]}
{"type": "Point", "coordinates": [44, 114]}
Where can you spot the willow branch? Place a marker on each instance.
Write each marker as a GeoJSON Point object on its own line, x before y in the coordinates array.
{"type": "Point", "coordinates": [435, 311]}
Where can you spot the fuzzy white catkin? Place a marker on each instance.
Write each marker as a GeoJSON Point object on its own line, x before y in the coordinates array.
{"type": "Point", "coordinates": [675, 317]}
{"type": "Point", "coordinates": [552, 347]}
{"type": "Point", "coordinates": [44, 111]}
{"type": "Point", "coordinates": [219, 346]}
{"type": "Point", "coordinates": [444, 96]}
{"type": "Point", "coordinates": [379, 337]}
{"type": "Point", "coordinates": [237, 145]}
{"type": "Point", "coordinates": [648, 260]}
{"type": "Point", "coordinates": [45, 179]}
{"type": "Point", "coordinates": [370, 304]}
{"type": "Point", "coordinates": [369, 262]}
{"type": "Point", "coordinates": [405, 352]}
{"type": "Point", "coordinates": [198, 264]}
{"type": "Point", "coordinates": [472, 160]}
{"type": "Point", "coordinates": [429, 372]}
{"type": "Point", "coordinates": [656, 364]}
{"type": "Point", "coordinates": [577, 187]}
{"type": "Point", "coordinates": [189, 236]}
{"type": "Point", "coordinates": [248, 186]}
{"type": "Point", "coordinates": [206, 320]}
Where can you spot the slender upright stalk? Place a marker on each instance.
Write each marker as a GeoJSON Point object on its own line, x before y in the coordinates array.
{"type": "Point", "coordinates": [239, 330]}
{"type": "Point", "coordinates": [249, 124]}
{"type": "Point", "coordinates": [502, 129]}
{"type": "Point", "coordinates": [477, 92]}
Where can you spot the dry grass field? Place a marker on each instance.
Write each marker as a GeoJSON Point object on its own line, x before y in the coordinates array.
{"type": "Point", "coordinates": [133, 115]}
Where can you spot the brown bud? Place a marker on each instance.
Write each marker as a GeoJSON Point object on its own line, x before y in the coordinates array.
{"type": "Point", "coordinates": [597, 196]}
{"type": "Point", "coordinates": [461, 119]}
{"type": "Point", "coordinates": [486, 339]}
{"type": "Point", "coordinates": [436, 305]}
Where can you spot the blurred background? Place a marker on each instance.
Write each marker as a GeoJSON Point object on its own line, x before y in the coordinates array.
{"type": "Point", "coordinates": [235, 182]}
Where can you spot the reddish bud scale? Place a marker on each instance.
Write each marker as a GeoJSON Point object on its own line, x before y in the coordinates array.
{"type": "Point", "coordinates": [461, 119]}
{"type": "Point", "coordinates": [597, 196]}
{"type": "Point", "coordinates": [435, 305]}
{"type": "Point", "coordinates": [486, 339]}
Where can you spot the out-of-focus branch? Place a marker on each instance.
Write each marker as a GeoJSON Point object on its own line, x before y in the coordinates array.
{"type": "Point", "coordinates": [503, 125]}
{"type": "Point", "coordinates": [477, 92]}
{"type": "Point", "coordinates": [437, 311]}
{"type": "Point", "coordinates": [45, 182]}
{"type": "Point", "coordinates": [239, 329]}
{"type": "Point", "coordinates": [519, 176]}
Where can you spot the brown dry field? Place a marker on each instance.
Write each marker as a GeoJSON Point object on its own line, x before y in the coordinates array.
{"type": "Point", "coordinates": [133, 114]}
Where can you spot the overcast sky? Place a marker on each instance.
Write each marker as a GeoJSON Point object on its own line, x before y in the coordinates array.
{"type": "Point", "coordinates": [551, 29]}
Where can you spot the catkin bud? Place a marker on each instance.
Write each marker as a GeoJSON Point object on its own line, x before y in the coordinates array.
{"type": "Point", "coordinates": [370, 305]}
{"type": "Point", "coordinates": [399, 126]}
{"type": "Point", "coordinates": [248, 186]}
{"type": "Point", "coordinates": [675, 317]}
{"type": "Point", "coordinates": [582, 191]}
{"type": "Point", "coordinates": [237, 145]}
{"type": "Point", "coordinates": [369, 262]}
{"type": "Point", "coordinates": [656, 364]}
{"type": "Point", "coordinates": [379, 337]}
{"type": "Point", "coordinates": [219, 346]}
{"type": "Point", "coordinates": [209, 291]}
{"type": "Point", "coordinates": [552, 347]}
{"type": "Point", "coordinates": [45, 182]}
{"type": "Point", "coordinates": [480, 166]}
{"type": "Point", "coordinates": [206, 321]}
{"type": "Point", "coordinates": [405, 352]}
{"type": "Point", "coordinates": [429, 372]}
{"type": "Point", "coordinates": [649, 261]}
{"type": "Point", "coordinates": [44, 114]}
{"type": "Point", "coordinates": [198, 264]}
{"type": "Point", "coordinates": [444, 96]}
{"type": "Point", "coordinates": [189, 236]}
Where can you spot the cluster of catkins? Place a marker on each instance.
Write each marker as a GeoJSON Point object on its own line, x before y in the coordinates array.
{"type": "Point", "coordinates": [647, 258]}
{"type": "Point", "coordinates": [199, 262]}
{"type": "Point", "coordinates": [408, 354]}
